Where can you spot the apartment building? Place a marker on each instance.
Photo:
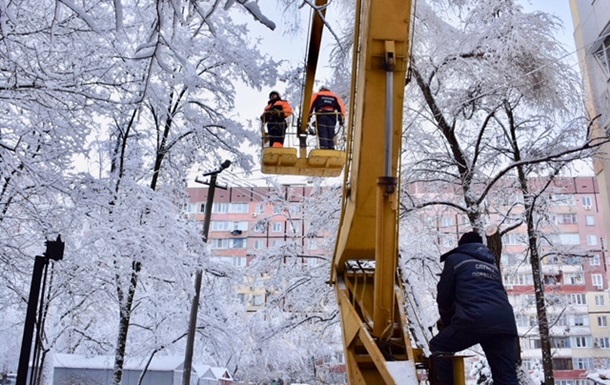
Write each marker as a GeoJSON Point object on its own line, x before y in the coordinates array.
{"type": "Point", "coordinates": [249, 220]}
{"type": "Point", "coordinates": [592, 40]}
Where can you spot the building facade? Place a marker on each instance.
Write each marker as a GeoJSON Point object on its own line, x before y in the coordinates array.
{"type": "Point", "coordinates": [249, 220]}
{"type": "Point", "coordinates": [592, 40]}
{"type": "Point", "coordinates": [575, 270]}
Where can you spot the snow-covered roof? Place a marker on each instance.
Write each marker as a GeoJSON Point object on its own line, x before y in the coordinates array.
{"type": "Point", "coordinates": [216, 373]}
{"type": "Point", "coordinates": [201, 369]}
{"type": "Point", "coordinates": [601, 377]}
{"type": "Point", "coordinates": [158, 363]}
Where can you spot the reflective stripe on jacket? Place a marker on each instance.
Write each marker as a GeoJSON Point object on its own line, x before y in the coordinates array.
{"type": "Point", "coordinates": [327, 101]}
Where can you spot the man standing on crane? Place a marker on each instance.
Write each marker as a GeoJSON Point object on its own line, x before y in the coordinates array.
{"type": "Point", "coordinates": [328, 108]}
{"type": "Point", "coordinates": [474, 309]}
{"type": "Point", "coordinates": [275, 114]}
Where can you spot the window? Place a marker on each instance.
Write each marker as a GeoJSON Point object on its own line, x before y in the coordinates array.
{"type": "Point", "coordinates": [241, 297]}
{"type": "Point", "coordinates": [587, 202]}
{"type": "Point", "coordinates": [294, 209]}
{"type": "Point", "coordinates": [241, 225]}
{"type": "Point", "coordinates": [312, 244]}
{"type": "Point", "coordinates": [566, 219]}
{"type": "Point", "coordinates": [580, 320]}
{"type": "Point", "coordinates": [573, 279]}
{"type": "Point", "coordinates": [220, 208]}
{"type": "Point", "coordinates": [512, 239]}
{"type": "Point", "coordinates": [560, 342]}
{"type": "Point", "coordinates": [219, 226]}
{"type": "Point", "coordinates": [595, 260]}
{"type": "Point", "coordinates": [577, 299]}
{"type": "Point", "coordinates": [240, 261]}
{"type": "Point", "coordinates": [563, 199]}
{"type": "Point", "coordinates": [597, 280]}
{"type": "Point", "coordinates": [599, 300]}
{"type": "Point", "coordinates": [603, 343]}
{"type": "Point", "coordinates": [295, 227]}
{"type": "Point", "coordinates": [518, 280]}
{"type": "Point", "coordinates": [569, 239]}
{"type": "Point", "coordinates": [258, 300]}
{"type": "Point", "coordinates": [580, 342]}
{"type": "Point", "coordinates": [562, 364]}
{"type": "Point", "coordinates": [238, 208]}
{"type": "Point", "coordinates": [219, 243]}
{"type": "Point", "coordinates": [511, 259]}
{"type": "Point", "coordinates": [259, 244]}
{"type": "Point", "coordinates": [535, 343]}
{"type": "Point", "coordinates": [561, 321]}
{"type": "Point", "coordinates": [590, 220]}
{"type": "Point", "coordinates": [583, 363]}
{"type": "Point", "coordinates": [592, 240]}
{"type": "Point", "coordinates": [260, 209]}
{"type": "Point", "coordinates": [202, 208]}
{"type": "Point", "coordinates": [602, 321]}
{"type": "Point", "coordinates": [447, 221]}
{"type": "Point", "coordinates": [238, 243]}
{"type": "Point", "coordinates": [277, 227]}
{"type": "Point", "coordinates": [522, 320]}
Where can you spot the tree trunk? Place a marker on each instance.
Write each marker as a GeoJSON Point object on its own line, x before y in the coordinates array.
{"type": "Point", "coordinates": [529, 206]}
{"type": "Point", "coordinates": [126, 304]}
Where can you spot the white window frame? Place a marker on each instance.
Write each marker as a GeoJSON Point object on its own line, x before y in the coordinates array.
{"type": "Point", "coordinates": [239, 208]}
{"type": "Point", "coordinates": [597, 280]}
{"type": "Point", "coordinates": [447, 221]}
{"type": "Point", "coordinates": [566, 219]}
{"type": "Point", "coordinates": [595, 260]}
{"type": "Point", "coordinates": [587, 201]}
{"type": "Point", "coordinates": [313, 244]}
{"type": "Point", "coordinates": [577, 299]}
{"type": "Point", "coordinates": [569, 238]}
{"type": "Point", "coordinates": [277, 227]}
{"type": "Point", "coordinates": [258, 300]}
{"type": "Point", "coordinates": [590, 220]}
{"type": "Point", "coordinates": [220, 208]}
{"type": "Point", "coordinates": [603, 342]}
{"type": "Point", "coordinates": [573, 279]}
{"type": "Point", "coordinates": [582, 363]}
{"type": "Point", "coordinates": [563, 199]}
{"type": "Point", "coordinates": [602, 321]}
{"type": "Point", "coordinates": [600, 300]}
{"type": "Point", "coordinates": [580, 342]}
{"type": "Point", "coordinates": [240, 261]}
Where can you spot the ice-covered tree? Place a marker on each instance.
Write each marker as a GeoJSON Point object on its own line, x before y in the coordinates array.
{"type": "Point", "coordinates": [491, 105]}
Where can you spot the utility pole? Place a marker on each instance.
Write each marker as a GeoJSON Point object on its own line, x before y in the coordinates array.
{"type": "Point", "coordinates": [54, 251]}
{"type": "Point", "coordinates": [190, 341]}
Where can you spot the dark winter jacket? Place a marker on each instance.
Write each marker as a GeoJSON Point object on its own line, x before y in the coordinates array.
{"type": "Point", "coordinates": [471, 294]}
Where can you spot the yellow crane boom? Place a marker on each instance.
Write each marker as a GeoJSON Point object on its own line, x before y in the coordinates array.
{"type": "Point", "coordinates": [364, 271]}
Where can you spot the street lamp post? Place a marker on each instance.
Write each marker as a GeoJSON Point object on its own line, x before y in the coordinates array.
{"type": "Point", "coordinates": [190, 341]}
{"type": "Point", "coordinates": [54, 251]}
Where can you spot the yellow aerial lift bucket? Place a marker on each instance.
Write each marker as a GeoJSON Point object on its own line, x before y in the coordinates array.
{"type": "Point", "coordinates": [305, 160]}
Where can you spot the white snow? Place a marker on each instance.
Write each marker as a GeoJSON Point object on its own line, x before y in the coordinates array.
{"type": "Point", "coordinates": [403, 372]}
